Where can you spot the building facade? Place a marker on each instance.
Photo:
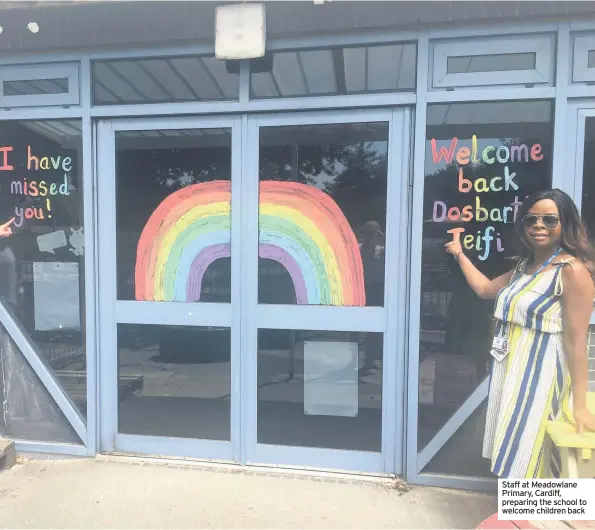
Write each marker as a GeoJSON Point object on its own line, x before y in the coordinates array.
{"type": "Point", "coordinates": [243, 261]}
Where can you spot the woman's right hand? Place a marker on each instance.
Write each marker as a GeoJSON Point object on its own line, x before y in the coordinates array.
{"type": "Point", "coordinates": [481, 285]}
{"type": "Point", "coordinates": [5, 229]}
{"type": "Point", "coordinates": [454, 247]}
{"type": "Point", "coordinates": [584, 419]}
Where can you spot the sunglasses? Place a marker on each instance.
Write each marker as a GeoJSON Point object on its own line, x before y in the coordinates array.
{"type": "Point", "coordinates": [549, 220]}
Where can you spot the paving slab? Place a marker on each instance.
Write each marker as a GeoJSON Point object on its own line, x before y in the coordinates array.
{"type": "Point", "coordinates": [113, 493]}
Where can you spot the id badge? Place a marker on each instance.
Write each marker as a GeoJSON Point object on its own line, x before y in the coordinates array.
{"type": "Point", "coordinates": [499, 348]}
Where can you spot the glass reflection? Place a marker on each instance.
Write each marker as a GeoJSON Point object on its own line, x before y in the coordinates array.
{"type": "Point", "coordinates": [163, 80]}
{"type": "Point", "coordinates": [461, 454]}
{"type": "Point", "coordinates": [320, 389]}
{"type": "Point", "coordinates": [42, 244]}
{"type": "Point", "coordinates": [330, 71]}
{"type": "Point", "coordinates": [174, 381]}
{"type": "Point", "coordinates": [323, 192]}
{"type": "Point", "coordinates": [162, 164]}
{"type": "Point", "coordinates": [28, 410]}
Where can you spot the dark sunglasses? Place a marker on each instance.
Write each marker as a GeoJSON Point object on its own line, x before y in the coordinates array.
{"type": "Point", "coordinates": [549, 220]}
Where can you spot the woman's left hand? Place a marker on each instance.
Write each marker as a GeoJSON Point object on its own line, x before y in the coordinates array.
{"type": "Point", "coordinates": [584, 419]}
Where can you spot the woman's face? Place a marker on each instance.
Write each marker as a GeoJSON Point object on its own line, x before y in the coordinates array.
{"type": "Point", "coordinates": [542, 234]}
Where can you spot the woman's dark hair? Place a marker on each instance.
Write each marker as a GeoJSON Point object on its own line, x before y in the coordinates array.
{"type": "Point", "coordinates": [574, 234]}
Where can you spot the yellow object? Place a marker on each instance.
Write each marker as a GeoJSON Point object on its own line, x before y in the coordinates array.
{"type": "Point", "coordinates": [577, 451]}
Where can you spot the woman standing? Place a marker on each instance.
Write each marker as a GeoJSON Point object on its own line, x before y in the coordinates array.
{"type": "Point", "coordinates": [543, 309]}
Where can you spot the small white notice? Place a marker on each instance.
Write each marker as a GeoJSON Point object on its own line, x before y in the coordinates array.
{"type": "Point", "coordinates": [56, 296]}
{"type": "Point", "coordinates": [330, 378]}
{"type": "Point", "coordinates": [50, 242]}
{"type": "Point", "coordinates": [546, 499]}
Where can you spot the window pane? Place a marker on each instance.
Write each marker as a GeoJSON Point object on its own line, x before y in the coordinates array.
{"type": "Point", "coordinates": [482, 160]}
{"type": "Point", "coordinates": [322, 214]}
{"type": "Point", "coordinates": [28, 410]}
{"type": "Point", "coordinates": [37, 86]}
{"type": "Point", "coordinates": [461, 454]}
{"type": "Point", "coordinates": [320, 389]}
{"type": "Point", "coordinates": [173, 209]}
{"type": "Point", "coordinates": [490, 63]}
{"type": "Point", "coordinates": [43, 260]}
{"type": "Point", "coordinates": [591, 59]}
{"type": "Point", "coordinates": [174, 381]}
{"type": "Point", "coordinates": [332, 71]}
{"type": "Point", "coordinates": [163, 80]}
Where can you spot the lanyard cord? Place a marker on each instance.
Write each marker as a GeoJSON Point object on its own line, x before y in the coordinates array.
{"type": "Point", "coordinates": [508, 298]}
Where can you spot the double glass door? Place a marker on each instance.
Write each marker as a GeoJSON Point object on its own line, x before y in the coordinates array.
{"type": "Point", "coordinates": [251, 282]}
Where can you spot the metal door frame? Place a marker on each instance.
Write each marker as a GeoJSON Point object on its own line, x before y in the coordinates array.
{"type": "Point", "coordinates": [112, 311]}
{"type": "Point", "coordinates": [390, 319]}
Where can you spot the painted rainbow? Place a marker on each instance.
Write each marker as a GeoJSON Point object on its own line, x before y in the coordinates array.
{"type": "Point", "coordinates": [300, 227]}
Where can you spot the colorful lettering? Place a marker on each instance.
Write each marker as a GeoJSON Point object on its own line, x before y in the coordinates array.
{"type": "Point", "coordinates": [465, 185]}
{"type": "Point", "coordinates": [484, 155]}
{"type": "Point", "coordinates": [536, 153]}
{"type": "Point", "coordinates": [5, 165]}
{"type": "Point", "coordinates": [447, 154]}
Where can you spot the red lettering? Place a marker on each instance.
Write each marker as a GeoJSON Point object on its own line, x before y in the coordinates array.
{"type": "Point", "coordinates": [536, 153]}
{"type": "Point", "coordinates": [447, 154]}
{"type": "Point", "coordinates": [5, 165]}
{"type": "Point", "coordinates": [454, 213]}
{"type": "Point", "coordinates": [467, 214]}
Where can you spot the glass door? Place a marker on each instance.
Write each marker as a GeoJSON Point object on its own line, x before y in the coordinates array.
{"type": "Point", "coordinates": [324, 250]}
{"type": "Point", "coordinates": [169, 211]}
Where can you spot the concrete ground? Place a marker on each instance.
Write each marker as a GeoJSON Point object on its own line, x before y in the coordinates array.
{"type": "Point", "coordinates": [116, 493]}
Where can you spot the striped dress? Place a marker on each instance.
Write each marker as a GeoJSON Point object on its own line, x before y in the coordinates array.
{"type": "Point", "coordinates": [531, 385]}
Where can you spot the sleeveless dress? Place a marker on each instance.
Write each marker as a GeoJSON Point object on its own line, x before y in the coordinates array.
{"type": "Point", "coordinates": [531, 385]}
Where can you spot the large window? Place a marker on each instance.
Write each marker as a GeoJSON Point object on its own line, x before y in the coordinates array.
{"type": "Point", "coordinates": [42, 262]}
{"type": "Point", "coordinates": [482, 160]}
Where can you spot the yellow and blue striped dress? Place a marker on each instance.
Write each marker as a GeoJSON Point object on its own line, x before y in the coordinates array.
{"type": "Point", "coordinates": [531, 385]}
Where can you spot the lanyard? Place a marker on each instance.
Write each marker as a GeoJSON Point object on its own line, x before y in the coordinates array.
{"type": "Point", "coordinates": [511, 294]}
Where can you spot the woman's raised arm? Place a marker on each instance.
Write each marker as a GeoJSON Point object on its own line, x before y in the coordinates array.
{"type": "Point", "coordinates": [481, 284]}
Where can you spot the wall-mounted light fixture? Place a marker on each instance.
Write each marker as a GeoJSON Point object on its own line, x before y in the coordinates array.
{"type": "Point", "coordinates": [240, 31]}
{"type": "Point", "coordinates": [33, 27]}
